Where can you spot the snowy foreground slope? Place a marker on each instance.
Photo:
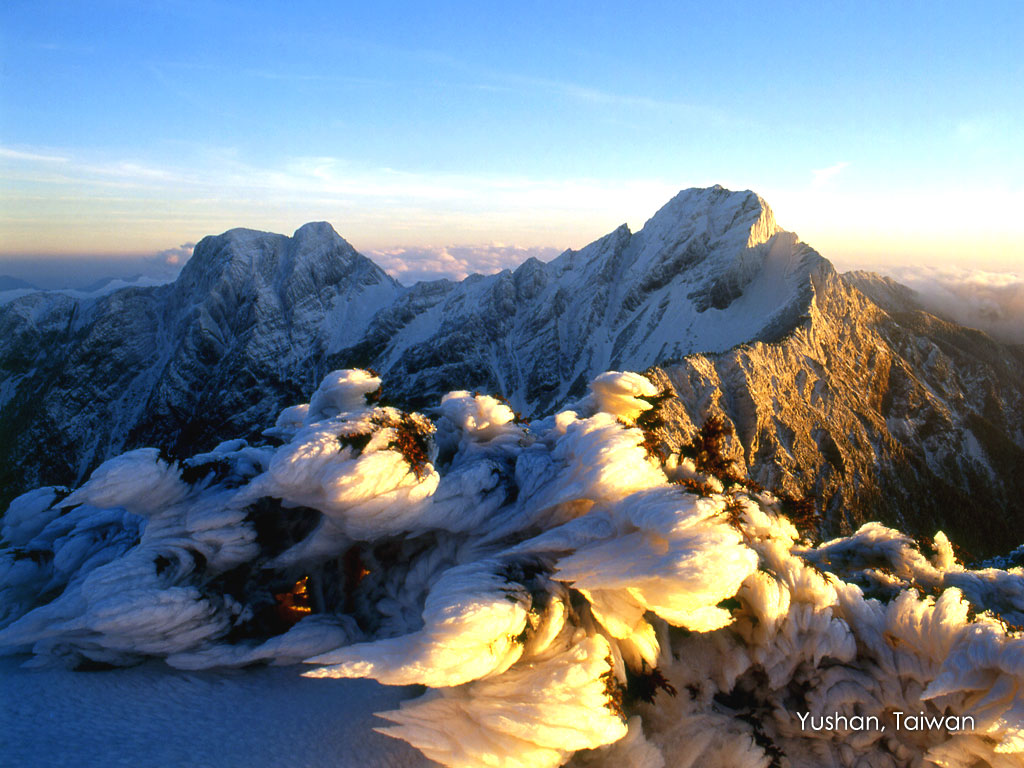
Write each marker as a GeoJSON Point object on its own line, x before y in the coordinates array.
{"type": "Point", "coordinates": [152, 717]}
{"type": "Point", "coordinates": [568, 591]}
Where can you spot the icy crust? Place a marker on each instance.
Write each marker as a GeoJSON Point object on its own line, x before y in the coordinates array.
{"type": "Point", "coordinates": [557, 588]}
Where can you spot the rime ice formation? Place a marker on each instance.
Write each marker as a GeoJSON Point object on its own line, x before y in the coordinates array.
{"type": "Point", "coordinates": [569, 590]}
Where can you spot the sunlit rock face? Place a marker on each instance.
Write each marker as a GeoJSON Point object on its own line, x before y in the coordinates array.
{"type": "Point", "coordinates": [876, 412]}
{"type": "Point", "coordinates": [880, 415]}
{"type": "Point", "coordinates": [569, 591]}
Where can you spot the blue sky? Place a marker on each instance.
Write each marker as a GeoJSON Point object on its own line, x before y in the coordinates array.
{"type": "Point", "coordinates": [880, 132]}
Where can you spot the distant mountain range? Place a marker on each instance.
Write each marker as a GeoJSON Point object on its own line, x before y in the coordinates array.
{"type": "Point", "coordinates": [8, 283]}
{"type": "Point", "coordinates": [838, 387]}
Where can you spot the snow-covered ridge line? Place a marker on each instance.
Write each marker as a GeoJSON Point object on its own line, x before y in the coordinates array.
{"type": "Point", "coordinates": [109, 286]}
{"type": "Point", "coordinates": [562, 593]}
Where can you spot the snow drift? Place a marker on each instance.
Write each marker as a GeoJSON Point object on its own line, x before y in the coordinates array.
{"type": "Point", "coordinates": [567, 590]}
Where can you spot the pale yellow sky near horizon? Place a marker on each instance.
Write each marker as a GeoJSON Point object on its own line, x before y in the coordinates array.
{"type": "Point", "coordinates": [847, 250]}
{"type": "Point", "coordinates": [59, 204]}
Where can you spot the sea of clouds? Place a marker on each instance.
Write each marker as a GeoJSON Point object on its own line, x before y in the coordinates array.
{"type": "Point", "coordinates": [454, 262]}
{"type": "Point", "coordinates": [990, 301]}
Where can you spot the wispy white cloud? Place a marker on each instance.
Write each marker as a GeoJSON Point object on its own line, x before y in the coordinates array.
{"type": "Point", "coordinates": [991, 130]}
{"type": "Point", "coordinates": [37, 157]}
{"type": "Point", "coordinates": [823, 175]}
{"type": "Point", "coordinates": [44, 166]}
{"type": "Point", "coordinates": [63, 47]}
{"type": "Point", "coordinates": [590, 95]}
{"type": "Point", "coordinates": [286, 76]}
{"type": "Point", "coordinates": [372, 206]}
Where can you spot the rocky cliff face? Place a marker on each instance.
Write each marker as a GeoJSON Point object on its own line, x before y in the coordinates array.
{"type": "Point", "coordinates": [893, 416]}
{"type": "Point", "coordinates": [878, 410]}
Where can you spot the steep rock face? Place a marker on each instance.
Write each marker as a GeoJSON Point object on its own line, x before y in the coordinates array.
{"type": "Point", "coordinates": [181, 364]}
{"type": "Point", "coordinates": [79, 375]}
{"type": "Point", "coordinates": [899, 417]}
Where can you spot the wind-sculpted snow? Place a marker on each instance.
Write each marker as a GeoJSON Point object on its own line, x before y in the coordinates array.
{"type": "Point", "coordinates": [568, 590]}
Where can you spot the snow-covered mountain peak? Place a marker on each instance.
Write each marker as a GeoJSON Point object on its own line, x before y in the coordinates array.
{"type": "Point", "coordinates": [710, 270]}
{"type": "Point", "coordinates": [317, 231]}
{"type": "Point", "coordinates": [712, 240]}
{"type": "Point", "coordinates": [231, 256]}
{"type": "Point", "coordinates": [698, 237]}
{"type": "Point", "coordinates": [714, 213]}
{"type": "Point", "coordinates": [317, 253]}
{"type": "Point", "coordinates": [318, 240]}
{"type": "Point", "coordinates": [299, 266]}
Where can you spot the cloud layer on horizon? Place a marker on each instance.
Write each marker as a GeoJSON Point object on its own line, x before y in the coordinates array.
{"type": "Point", "coordinates": [454, 262]}
{"type": "Point", "coordinates": [989, 301]}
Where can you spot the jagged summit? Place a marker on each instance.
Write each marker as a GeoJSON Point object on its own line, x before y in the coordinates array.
{"type": "Point", "coordinates": [317, 230]}
{"type": "Point", "coordinates": [718, 218]}
{"type": "Point", "coordinates": [241, 251]}
{"type": "Point", "coordinates": [711, 269]}
{"type": "Point", "coordinates": [715, 213]}
{"type": "Point", "coordinates": [321, 230]}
